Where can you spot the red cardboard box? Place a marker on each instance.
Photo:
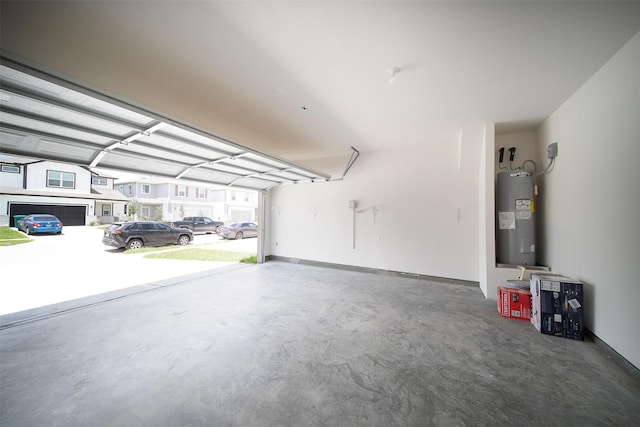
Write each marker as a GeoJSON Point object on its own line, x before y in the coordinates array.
{"type": "Point", "coordinates": [514, 302]}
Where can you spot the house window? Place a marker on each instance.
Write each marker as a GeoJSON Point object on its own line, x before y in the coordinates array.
{"type": "Point", "coordinates": [10, 169]}
{"type": "Point", "coordinates": [233, 195]}
{"type": "Point", "coordinates": [246, 197]}
{"type": "Point", "coordinates": [99, 181]}
{"type": "Point", "coordinates": [202, 193]}
{"type": "Point", "coordinates": [146, 189]}
{"type": "Point", "coordinates": [106, 210]}
{"type": "Point", "coordinates": [61, 179]}
{"type": "Point", "coordinates": [182, 191]}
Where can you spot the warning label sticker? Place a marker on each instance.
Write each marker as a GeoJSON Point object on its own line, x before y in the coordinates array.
{"type": "Point", "coordinates": [507, 220]}
{"type": "Point", "coordinates": [524, 208]}
{"type": "Point", "coordinates": [524, 205]}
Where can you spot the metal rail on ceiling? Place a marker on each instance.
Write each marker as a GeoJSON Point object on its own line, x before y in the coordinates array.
{"type": "Point", "coordinates": [266, 165]}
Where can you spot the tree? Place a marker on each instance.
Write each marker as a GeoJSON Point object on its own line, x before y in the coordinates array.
{"type": "Point", "coordinates": [158, 213]}
{"type": "Point", "coordinates": [133, 206]}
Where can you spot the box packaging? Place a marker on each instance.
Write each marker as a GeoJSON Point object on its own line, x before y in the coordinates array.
{"type": "Point", "coordinates": [557, 305]}
{"type": "Point", "coordinates": [572, 311]}
{"type": "Point", "coordinates": [514, 300]}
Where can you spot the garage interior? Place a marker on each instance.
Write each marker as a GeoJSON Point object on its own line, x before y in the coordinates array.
{"type": "Point", "coordinates": [385, 313]}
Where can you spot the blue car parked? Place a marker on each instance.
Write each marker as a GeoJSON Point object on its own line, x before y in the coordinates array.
{"type": "Point", "coordinates": [40, 223]}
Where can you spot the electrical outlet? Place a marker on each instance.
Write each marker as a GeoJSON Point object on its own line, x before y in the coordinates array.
{"type": "Point", "coordinates": [552, 150]}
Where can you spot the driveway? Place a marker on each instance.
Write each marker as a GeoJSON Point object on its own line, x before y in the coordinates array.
{"type": "Point", "coordinates": [57, 268]}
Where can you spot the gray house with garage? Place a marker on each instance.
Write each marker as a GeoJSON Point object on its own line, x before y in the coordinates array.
{"type": "Point", "coordinates": [77, 195]}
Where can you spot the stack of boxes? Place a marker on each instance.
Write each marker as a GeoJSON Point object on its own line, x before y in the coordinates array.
{"type": "Point", "coordinates": [553, 304]}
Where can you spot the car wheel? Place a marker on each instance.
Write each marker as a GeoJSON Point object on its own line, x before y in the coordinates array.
{"type": "Point", "coordinates": [134, 244]}
{"type": "Point", "coordinates": [27, 231]}
{"type": "Point", "coordinates": [183, 240]}
{"type": "Point", "coordinates": [239, 235]}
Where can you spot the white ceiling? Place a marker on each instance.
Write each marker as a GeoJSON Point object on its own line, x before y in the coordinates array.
{"type": "Point", "coordinates": [304, 80]}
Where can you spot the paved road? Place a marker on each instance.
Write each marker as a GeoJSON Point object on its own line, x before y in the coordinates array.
{"type": "Point", "coordinates": [56, 268]}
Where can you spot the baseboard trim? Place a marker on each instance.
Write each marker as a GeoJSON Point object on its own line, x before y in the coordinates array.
{"type": "Point", "coordinates": [371, 270]}
{"type": "Point", "coordinates": [617, 358]}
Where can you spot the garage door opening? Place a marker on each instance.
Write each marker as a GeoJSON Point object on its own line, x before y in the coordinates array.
{"type": "Point", "coordinates": [69, 215]}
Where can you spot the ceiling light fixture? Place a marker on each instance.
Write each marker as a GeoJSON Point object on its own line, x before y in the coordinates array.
{"type": "Point", "coordinates": [392, 73]}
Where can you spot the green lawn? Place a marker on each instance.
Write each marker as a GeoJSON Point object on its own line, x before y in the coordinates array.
{"type": "Point", "coordinates": [195, 254]}
{"type": "Point", "coordinates": [10, 237]}
{"type": "Point", "coordinates": [146, 249]}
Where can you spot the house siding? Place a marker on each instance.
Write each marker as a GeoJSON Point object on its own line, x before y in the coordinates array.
{"type": "Point", "coordinates": [36, 174]}
{"type": "Point", "coordinates": [21, 192]}
{"type": "Point", "coordinates": [216, 204]}
{"type": "Point", "coordinates": [12, 180]}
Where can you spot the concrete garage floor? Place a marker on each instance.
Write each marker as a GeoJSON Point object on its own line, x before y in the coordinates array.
{"type": "Point", "coordinates": [283, 344]}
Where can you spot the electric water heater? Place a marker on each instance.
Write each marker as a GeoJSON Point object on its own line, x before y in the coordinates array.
{"type": "Point", "coordinates": [515, 228]}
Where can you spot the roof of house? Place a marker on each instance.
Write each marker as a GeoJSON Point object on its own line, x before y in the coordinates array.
{"type": "Point", "coordinates": [101, 195]}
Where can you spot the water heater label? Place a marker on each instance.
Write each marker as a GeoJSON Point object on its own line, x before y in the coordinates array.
{"type": "Point", "coordinates": [524, 205]}
{"type": "Point", "coordinates": [507, 220]}
{"type": "Point", "coordinates": [524, 208]}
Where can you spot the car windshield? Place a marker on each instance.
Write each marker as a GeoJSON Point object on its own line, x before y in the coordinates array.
{"type": "Point", "coordinates": [45, 218]}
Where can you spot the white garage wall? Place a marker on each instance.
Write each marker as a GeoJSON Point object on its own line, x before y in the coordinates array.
{"type": "Point", "coordinates": [591, 199]}
{"type": "Point", "coordinates": [426, 212]}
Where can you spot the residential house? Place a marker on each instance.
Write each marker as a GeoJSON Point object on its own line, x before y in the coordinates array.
{"type": "Point", "coordinates": [168, 201]}
{"type": "Point", "coordinates": [75, 194]}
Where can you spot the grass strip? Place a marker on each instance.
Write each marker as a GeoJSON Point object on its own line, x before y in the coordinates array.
{"type": "Point", "coordinates": [146, 249]}
{"type": "Point", "coordinates": [253, 259]}
{"type": "Point", "coordinates": [195, 254]}
{"type": "Point", "coordinates": [11, 237]}
{"type": "Point", "coordinates": [13, 242]}
{"type": "Point", "coordinates": [9, 233]}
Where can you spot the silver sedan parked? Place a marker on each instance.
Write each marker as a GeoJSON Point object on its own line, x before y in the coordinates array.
{"type": "Point", "coordinates": [238, 230]}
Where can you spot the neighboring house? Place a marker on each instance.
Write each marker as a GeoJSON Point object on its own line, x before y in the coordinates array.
{"type": "Point", "coordinates": [75, 194]}
{"type": "Point", "coordinates": [242, 205]}
{"type": "Point", "coordinates": [170, 201]}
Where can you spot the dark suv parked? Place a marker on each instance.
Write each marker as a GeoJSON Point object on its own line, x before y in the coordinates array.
{"type": "Point", "coordinates": [136, 234]}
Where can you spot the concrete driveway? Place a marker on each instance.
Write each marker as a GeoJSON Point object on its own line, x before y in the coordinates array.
{"type": "Point", "coordinates": [75, 264]}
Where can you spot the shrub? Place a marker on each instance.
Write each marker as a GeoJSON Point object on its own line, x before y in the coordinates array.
{"type": "Point", "coordinates": [249, 260]}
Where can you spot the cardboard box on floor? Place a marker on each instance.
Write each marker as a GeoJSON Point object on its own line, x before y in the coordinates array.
{"type": "Point", "coordinates": [557, 305]}
{"type": "Point", "coordinates": [514, 300]}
